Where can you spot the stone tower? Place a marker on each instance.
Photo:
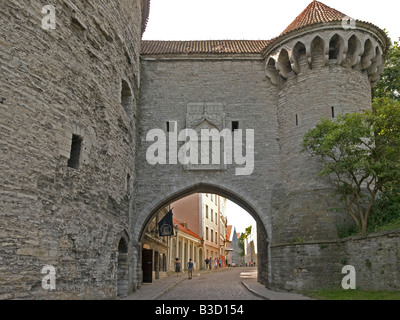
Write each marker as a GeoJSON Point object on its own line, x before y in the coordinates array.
{"type": "Point", "coordinates": [68, 138]}
{"type": "Point", "coordinates": [323, 64]}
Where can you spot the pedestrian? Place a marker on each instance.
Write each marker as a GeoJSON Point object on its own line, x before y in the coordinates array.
{"type": "Point", "coordinates": [216, 263]}
{"type": "Point", "coordinates": [177, 267]}
{"type": "Point", "coordinates": [211, 263]}
{"type": "Point", "coordinates": [190, 266]}
{"type": "Point", "coordinates": [220, 263]}
{"type": "Point", "coordinates": [207, 261]}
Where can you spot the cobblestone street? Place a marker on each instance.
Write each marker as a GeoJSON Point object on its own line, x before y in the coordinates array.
{"type": "Point", "coordinates": [220, 285]}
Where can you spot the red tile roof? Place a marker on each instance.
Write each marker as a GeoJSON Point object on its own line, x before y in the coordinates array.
{"type": "Point", "coordinates": [203, 47]}
{"type": "Point", "coordinates": [228, 233]}
{"type": "Point", "coordinates": [316, 12]}
{"type": "Point", "coordinates": [187, 231]}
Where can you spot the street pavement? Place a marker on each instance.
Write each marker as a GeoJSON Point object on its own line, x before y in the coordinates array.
{"type": "Point", "coordinates": [222, 284]}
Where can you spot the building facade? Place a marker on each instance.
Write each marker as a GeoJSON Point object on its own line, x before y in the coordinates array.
{"type": "Point", "coordinates": [205, 215]}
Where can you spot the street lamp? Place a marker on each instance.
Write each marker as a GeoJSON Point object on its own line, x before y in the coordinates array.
{"type": "Point", "coordinates": [176, 230]}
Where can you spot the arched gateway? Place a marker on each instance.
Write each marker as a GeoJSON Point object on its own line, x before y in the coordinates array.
{"type": "Point", "coordinates": [228, 117]}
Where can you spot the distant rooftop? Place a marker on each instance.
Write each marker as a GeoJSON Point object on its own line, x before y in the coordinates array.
{"type": "Point", "coordinates": [203, 47]}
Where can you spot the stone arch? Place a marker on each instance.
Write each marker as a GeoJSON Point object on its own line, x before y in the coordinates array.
{"type": "Point", "coordinates": [337, 48]}
{"type": "Point", "coordinates": [354, 51]}
{"type": "Point", "coordinates": [298, 57]}
{"type": "Point", "coordinates": [271, 72]}
{"type": "Point", "coordinates": [264, 229]}
{"type": "Point", "coordinates": [283, 64]}
{"type": "Point", "coordinates": [377, 67]}
{"type": "Point", "coordinates": [368, 56]}
{"type": "Point", "coordinates": [318, 52]}
{"type": "Point", "coordinates": [123, 265]}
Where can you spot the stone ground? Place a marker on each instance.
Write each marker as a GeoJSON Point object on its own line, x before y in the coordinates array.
{"type": "Point", "coordinates": [224, 284]}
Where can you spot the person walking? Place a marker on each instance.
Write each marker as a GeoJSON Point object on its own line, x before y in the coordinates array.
{"type": "Point", "coordinates": [207, 262]}
{"type": "Point", "coordinates": [178, 267]}
{"type": "Point", "coordinates": [190, 266]}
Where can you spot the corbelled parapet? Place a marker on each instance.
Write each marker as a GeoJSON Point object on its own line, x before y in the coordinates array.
{"type": "Point", "coordinates": [323, 34]}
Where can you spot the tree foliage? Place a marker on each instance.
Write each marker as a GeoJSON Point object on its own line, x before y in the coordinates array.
{"type": "Point", "coordinates": [389, 84]}
{"type": "Point", "coordinates": [360, 154]}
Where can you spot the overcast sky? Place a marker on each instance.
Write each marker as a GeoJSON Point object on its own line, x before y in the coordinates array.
{"type": "Point", "coordinates": [238, 217]}
{"type": "Point", "coordinates": [253, 19]}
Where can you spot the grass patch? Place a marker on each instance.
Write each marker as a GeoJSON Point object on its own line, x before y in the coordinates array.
{"type": "Point", "coordinates": [359, 294]}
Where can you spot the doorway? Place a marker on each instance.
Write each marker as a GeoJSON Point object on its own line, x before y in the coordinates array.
{"type": "Point", "coordinates": [147, 265]}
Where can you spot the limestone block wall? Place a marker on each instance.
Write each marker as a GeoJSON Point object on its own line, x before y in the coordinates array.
{"type": "Point", "coordinates": [312, 266]}
{"type": "Point", "coordinates": [376, 259]}
{"type": "Point", "coordinates": [169, 87]}
{"type": "Point", "coordinates": [78, 82]}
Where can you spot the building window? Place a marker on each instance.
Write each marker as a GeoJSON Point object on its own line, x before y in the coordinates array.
{"type": "Point", "coordinates": [216, 237]}
{"type": "Point", "coordinates": [216, 219]}
{"type": "Point", "coordinates": [76, 149]}
{"type": "Point", "coordinates": [206, 233]}
{"type": "Point", "coordinates": [212, 235]}
{"type": "Point", "coordinates": [206, 212]}
{"type": "Point", "coordinates": [172, 126]}
{"type": "Point", "coordinates": [297, 120]}
{"type": "Point", "coordinates": [333, 112]}
{"type": "Point", "coordinates": [235, 125]}
{"type": "Point", "coordinates": [212, 215]}
{"type": "Point", "coordinates": [126, 97]}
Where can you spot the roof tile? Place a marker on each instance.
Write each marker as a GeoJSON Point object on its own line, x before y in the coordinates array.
{"type": "Point", "coordinates": [203, 47]}
{"type": "Point", "coordinates": [316, 12]}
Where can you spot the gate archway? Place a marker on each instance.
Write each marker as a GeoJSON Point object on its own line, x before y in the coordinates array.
{"type": "Point", "coordinates": [263, 224]}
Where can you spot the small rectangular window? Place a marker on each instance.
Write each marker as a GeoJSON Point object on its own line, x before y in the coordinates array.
{"type": "Point", "coordinates": [333, 112]}
{"type": "Point", "coordinates": [76, 148]}
{"type": "Point", "coordinates": [172, 126]}
{"type": "Point", "coordinates": [235, 125]}
{"type": "Point", "coordinates": [212, 215]}
{"type": "Point", "coordinates": [297, 120]}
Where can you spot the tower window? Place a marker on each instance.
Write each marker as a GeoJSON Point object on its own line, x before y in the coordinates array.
{"type": "Point", "coordinates": [76, 149]}
{"type": "Point", "coordinates": [235, 125]}
{"type": "Point", "coordinates": [297, 119]}
{"type": "Point", "coordinates": [333, 112]}
{"type": "Point", "coordinates": [126, 97]}
{"type": "Point", "coordinates": [172, 126]}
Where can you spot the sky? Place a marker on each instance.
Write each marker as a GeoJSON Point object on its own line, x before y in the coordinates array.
{"type": "Point", "coordinates": [238, 217]}
{"type": "Point", "coordinates": [253, 19]}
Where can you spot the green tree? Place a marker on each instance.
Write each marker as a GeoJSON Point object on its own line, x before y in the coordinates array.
{"type": "Point", "coordinates": [360, 153]}
{"type": "Point", "coordinates": [389, 84]}
{"type": "Point", "coordinates": [242, 239]}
